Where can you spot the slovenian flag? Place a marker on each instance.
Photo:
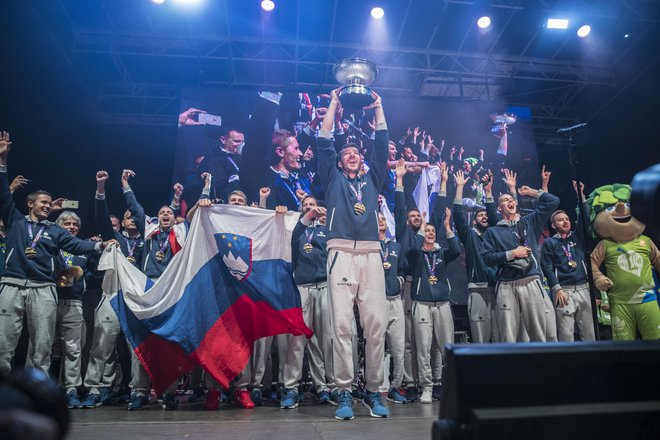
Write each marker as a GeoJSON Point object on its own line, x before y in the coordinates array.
{"type": "Point", "coordinates": [230, 285]}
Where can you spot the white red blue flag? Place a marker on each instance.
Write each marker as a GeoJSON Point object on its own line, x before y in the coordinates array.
{"type": "Point", "coordinates": [230, 285]}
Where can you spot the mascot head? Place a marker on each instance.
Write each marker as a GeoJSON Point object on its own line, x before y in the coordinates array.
{"type": "Point", "coordinates": [609, 212]}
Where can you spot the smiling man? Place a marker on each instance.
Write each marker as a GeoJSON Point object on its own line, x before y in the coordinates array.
{"type": "Point", "coordinates": [355, 266]}
{"type": "Point", "coordinates": [511, 246]}
{"type": "Point", "coordinates": [287, 187]}
{"type": "Point", "coordinates": [27, 287]}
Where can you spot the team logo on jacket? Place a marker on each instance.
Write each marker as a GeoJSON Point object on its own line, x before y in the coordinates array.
{"type": "Point", "coordinates": [236, 251]}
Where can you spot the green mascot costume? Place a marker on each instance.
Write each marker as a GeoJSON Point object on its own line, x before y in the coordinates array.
{"type": "Point", "coordinates": [628, 258]}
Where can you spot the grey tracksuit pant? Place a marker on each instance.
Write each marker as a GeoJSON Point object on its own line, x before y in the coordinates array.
{"type": "Point", "coordinates": [521, 303]}
{"type": "Point", "coordinates": [577, 311]}
{"type": "Point", "coordinates": [395, 336]}
{"type": "Point", "coordinates": [37, 304]}
{"type": "Point", "coordinates": [356, 276]}
{"type": "Point", "coordinates": [314, 300]}
{"type": "Point", "coordinates": [102, 367]}
{"type": "Point", "coordinates": [481, 311]}
{"type": "Point", "coordinates": [432, 321]}
{"type": "Point", "coordinates": [68, 333]}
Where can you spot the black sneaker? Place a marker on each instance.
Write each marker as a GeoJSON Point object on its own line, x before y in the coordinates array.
{"type": "Point", "coordinates": [411, 394]}
{"type": "Point", "coordinates": [437, 392]}
{"type": "Point", "coordinates": [170, 401]}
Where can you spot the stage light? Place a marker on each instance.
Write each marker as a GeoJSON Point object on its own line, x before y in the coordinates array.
{"type": "Point", "coordinates": [584, 31]}
{"type": "Point", "coordinates": [267, 5]}
{"type": "Point", "coordinates": [483, 22]}
{"type": "Point", "coordinates": [377, 13]}
{"type": "Point", "coordinates": [157, 2]}
{"type": "Point", "coordinates": [626, 36]}
{"type": "Point", "coordinates": [557, 23]}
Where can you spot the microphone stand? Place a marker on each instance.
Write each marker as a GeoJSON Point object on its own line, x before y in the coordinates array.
{"type": "Point", "coordinates": [574, 160]}
{"type": "Point", "coordinates": [356, 128]}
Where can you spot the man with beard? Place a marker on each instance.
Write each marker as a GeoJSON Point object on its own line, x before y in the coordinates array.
{"type": "Point", "coordinates": [562, 261]}
{"type": "Point", "coordinates": [355, 267]}
{"type": "Point", "coordinates": [106, 323]}
{"type": "Point", "coordinates": [309, 258]}
{"type": "Point", "coordinates": [481, 277]}
{"type": "Point", "coordinates": [512, 247]}
{"type": "Point", "coordinates": [162, 240]}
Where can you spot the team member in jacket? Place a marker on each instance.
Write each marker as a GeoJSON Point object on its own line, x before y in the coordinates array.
{"type": "Point", "coordinates": [106, 323]}
{"type": "Point", "coordinates": [27, 287]}
{"type": "Point", "coordinates": [512, 247]}
{"type": "Point", "coordinates": [69, 323]}
{"type": "Point", "coordinates": [355, 267]}
{"type": "Point", "coordinates": [432, 317]}
{"type": "Point", "coordinates": [309, 259]}
{"type": "Point", "coordinates": [562, 261]}
{"type": "Point", "coordinates": [162, 240]}
{"type": "Point", "coordinates": [481, 277]}
{"type": "Point", "coordinates": [395, 333]}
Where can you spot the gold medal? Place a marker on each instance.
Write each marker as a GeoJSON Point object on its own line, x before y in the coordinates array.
{"type": "Point", "coordinates": [160, 256]}
{"type": "Point", "coordinates": [387, 265]}
{"type": "Point", "coordinates": [572, 264]}
{"type": "Point", "coordinates": [359, 208]}
{"type": "Point", "coordinates": [433, 280]}
{"type": "Point", "coordinates": [308, 248]}
{"type": "Point", "coordinates": [131, 259]}
{"type": "Point", "coordinates": [30, 252]}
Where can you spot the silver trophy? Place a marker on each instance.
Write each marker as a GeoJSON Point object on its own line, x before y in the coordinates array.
{"type": "Point", "coordinates": [355, 74]}
{"type": "Point", "coordinates": [502, 121]}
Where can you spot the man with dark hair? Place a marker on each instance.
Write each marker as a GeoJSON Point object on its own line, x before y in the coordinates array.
{"type": "Point", "coordinates": [224, 164]}
{"type": "Point", "coordinates": [355, 267]}
{"type": "Point", "coordinates": [162, 240]}
{"type": "Point", "coordinates": [27, 287]}
{"type": "Point", "coordinates": [481, 277]}
{"type": "Point", "coordinates": [512, 247]}
{"type": "Point", "coordinates": [309, 260]}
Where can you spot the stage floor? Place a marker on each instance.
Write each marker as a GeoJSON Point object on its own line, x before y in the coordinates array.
{"type": "Point", "coordinates": [268, 422]}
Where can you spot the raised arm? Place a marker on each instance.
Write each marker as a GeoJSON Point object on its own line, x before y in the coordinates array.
{"type": "Point", "coordinates": [491, 206]}
{"type": "Point", "coordinates": [101, 212]}
{"type": "Point", "coordinates": [460, 221]}
{"type": "Point", "coordinates": [546, 206]}
{"type": "Point", "coordinates": [327, 162]}
{"type": "Point", "coordinates": [7, 207]}
{"type": "Point", "coordinates": [454, 250]}
{"type": "Point", "coordinates": [400, 219]}
{"type": "Point", "coordinates": [137, 211]}
{"type": "Point", "coordinates": [380, 150]}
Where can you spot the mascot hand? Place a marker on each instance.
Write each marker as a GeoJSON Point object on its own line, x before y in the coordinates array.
{"type": "Point", "coordinates": [604, 284]}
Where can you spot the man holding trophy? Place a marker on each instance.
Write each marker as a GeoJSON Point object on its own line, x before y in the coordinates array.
{"type": "Point", "coordinates": [355, 266]}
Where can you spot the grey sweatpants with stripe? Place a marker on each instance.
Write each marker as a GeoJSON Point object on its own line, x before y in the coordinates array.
{"type": "Point", "coordinates": [522, 303]}
{"type": "Point", "coordinates": [69, 333]}
{"type": "Point", "coordinates": [37, 304]}
{"type": "Point", "coordinates": [102, 366]}
{"type": "Point", "coordinates": [433, 321]}
{"type": "Point", "coordinates": [577, 311]}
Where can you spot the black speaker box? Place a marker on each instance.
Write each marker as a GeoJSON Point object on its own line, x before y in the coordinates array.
{"type": "Point", "coordinates": [560, 391]}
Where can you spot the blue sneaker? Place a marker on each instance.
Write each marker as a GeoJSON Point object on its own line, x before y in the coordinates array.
{"type": "Point", "coordinates": [170, 401]}
{"type": "Point", "coordinates": [395, 396]}
{"type": "Point", "coordinates": [357, 394]}
{"type": "Point", "coordinates": [138, 402]}
{"type": "Point", "coordinates": [344, 406]}
{"type": "Point", "coordinates": [323, 397]}
{"type": "Point", "coordinates": [91, 401]}
{"type": "Point", "coordinates": [72, 400]}
{"type": "Point", "coordinates": [224, 397]}
{"type": "Point", "coordinates": [301, 394]}
{"type": "Point", "coordinates": [334, 396]}
{"type": "Point", "coordinates": [105, 394]}
{"type": "Point", "coordinates": [256, 396]}
{"type": "Point", "coordinates": [374, 403]}
{"type": "Point", "coordinates": [290, 399]}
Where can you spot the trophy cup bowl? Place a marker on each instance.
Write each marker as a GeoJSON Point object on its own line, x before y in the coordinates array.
{"type": "Point", "coordinates": [356, 74]}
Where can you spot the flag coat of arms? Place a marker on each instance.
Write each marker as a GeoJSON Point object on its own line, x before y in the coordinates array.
{"type": "Point", "coordinates": [230, 285]}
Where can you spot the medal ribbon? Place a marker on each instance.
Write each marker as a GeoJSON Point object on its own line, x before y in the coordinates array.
{"type": "Point", "coordinates": [163, 244]}
{"type": "Point", "coordinates": [37, 237]}
{"type": "Point", "coordinates": [384, 251]}
{"type": "Point", "coordinates": [431, 267]}
{"type": "Point", "coordinates": [568, 253]}
{"type": "Point", "coordinates": [130, 247]}
{"type": "Point", "coordinates": [356, 188]}
{"type": "Point", "coordinates": [521, 240]}
{"type": "Point", "coordinates": [309, 235]}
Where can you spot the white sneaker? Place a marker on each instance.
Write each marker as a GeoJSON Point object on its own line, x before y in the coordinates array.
{"type": "Point", "coordinates": [427, 397]}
